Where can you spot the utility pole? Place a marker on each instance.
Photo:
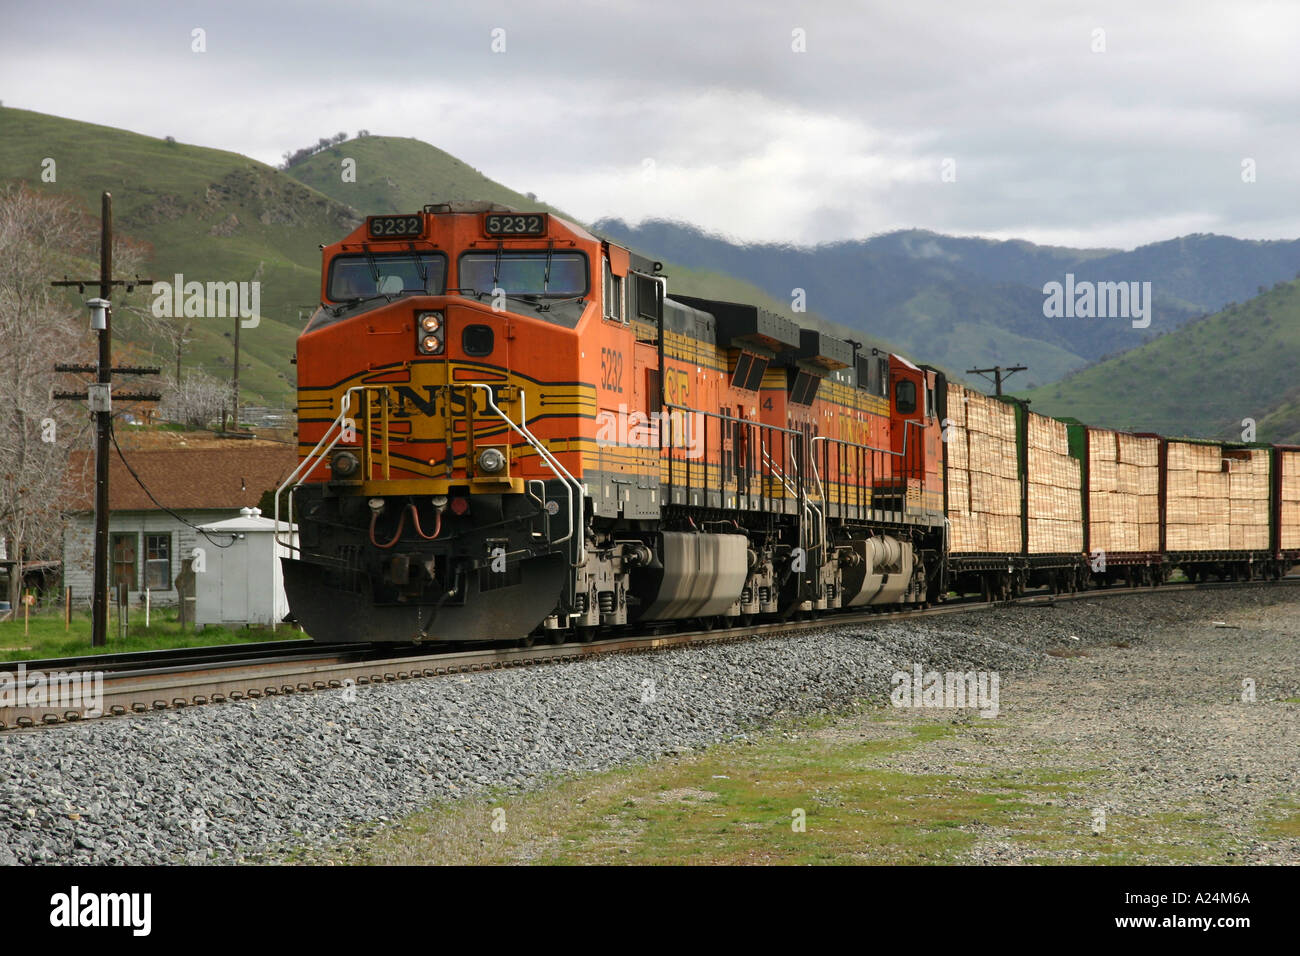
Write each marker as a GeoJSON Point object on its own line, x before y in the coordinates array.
{"type": "Point", "coordinates": [235, 384]}
{"type": "Point", "coordinates": [999, 373]}
{"type": "Point", "coordinates": [99, 396]}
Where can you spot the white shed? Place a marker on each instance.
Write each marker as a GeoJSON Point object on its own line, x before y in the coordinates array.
{"type": "Point", "coordinates": [242, 583]}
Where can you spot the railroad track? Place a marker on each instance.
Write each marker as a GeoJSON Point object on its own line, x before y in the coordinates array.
{"type": "Point", "coordinates": [143, 681]}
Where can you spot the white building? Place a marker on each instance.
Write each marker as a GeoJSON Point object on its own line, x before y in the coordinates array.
{"type": "Point", "coordinates": [148, 542]}
{"type": "Point", "coordinates": [241, 581]}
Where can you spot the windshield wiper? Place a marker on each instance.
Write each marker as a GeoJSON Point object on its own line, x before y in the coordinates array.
{"type": "Point", "coordinates": [419, 265]}
{"type": "Point", "coordinates": [358, 300]}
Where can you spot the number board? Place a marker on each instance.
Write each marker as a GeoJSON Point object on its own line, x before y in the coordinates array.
{"type": "Point", "coordinates": [395, 227]}
{"type": "Point", "coordinates": [514, 224]}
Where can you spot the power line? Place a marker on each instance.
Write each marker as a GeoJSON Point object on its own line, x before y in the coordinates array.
{"type": "Point", "coordinates": [112, 433]}
{"type": "Point", "coordinates": [999, 372]}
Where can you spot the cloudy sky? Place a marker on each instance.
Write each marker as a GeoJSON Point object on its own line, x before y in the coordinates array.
{"type": "Point", "coordinates": [1074, 123]}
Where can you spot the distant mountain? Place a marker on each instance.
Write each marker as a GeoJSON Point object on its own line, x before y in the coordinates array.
{"type": "Point", "coordinates": [396, 175]}
{"type": "Point", "coordinates": [1205, 378]}
{"type": "Point", "coordinates": [976, 302]}
{"type": "Point", "coordinates": [213, 215]}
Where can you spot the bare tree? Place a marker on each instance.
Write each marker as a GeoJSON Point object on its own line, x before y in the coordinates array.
{"type": "Point", "coordinates": [196, 401]}
{"type": "Point", "coordinates": [39, 237]}
{"type": "Point", "coordinates": [176, 332]}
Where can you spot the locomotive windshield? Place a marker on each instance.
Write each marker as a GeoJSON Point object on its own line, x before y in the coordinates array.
{"type": "Point", "coordinates": [361, 277]}
{"type": "Point", "coordinates": [557, 274]}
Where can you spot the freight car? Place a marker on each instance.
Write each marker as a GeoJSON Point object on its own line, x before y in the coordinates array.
{"type": "Point", "coordinates": [509, 429]}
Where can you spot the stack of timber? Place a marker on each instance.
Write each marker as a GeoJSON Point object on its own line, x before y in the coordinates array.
{"type": "Point", "coordinates": [1123, 492]}
{"type": "Point", "coordinates": [1055, 506]}
{"type": "Point", "coordinates": [1216, 498]}
{"type": "Point", "coordinates": [983, 474]}
{"type": "Point", "coordinates": [1289, 500]}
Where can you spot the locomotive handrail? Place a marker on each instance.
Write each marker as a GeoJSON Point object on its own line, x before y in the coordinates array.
{"type": "Point", "coordinates": [821, 512]}
{"type": "Point", "coordinates": [806, 504]}
{"type": "Point", "coordinates": [571, 485]}
{"type": "Point", "coordinates": [295, 477]}
{"type": "Point", "coordinates": [809, 506]}
{"type": "Point", "coordinates": [907, 465]}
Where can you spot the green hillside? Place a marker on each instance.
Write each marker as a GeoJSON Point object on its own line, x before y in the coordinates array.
{"type": "Point", "coordinates": [207, 214]}
{"type": "Point", "coordinates": [1202, 379]}
{"type": "Point", "coordinates": [395, 174]}
{"type": "Point", "coordinates": [1284, 420]}
{"type": "Point", "coordinates": [213, 215]}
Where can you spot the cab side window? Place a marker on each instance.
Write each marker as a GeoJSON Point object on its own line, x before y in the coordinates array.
{"type": "Point", "coordinates": [905, 397]}
{"type": "Point", "coordinates": [613, 294]}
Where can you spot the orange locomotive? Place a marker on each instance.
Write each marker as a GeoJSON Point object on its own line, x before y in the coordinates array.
{"type": "Point", "coordinates": [508, 428]}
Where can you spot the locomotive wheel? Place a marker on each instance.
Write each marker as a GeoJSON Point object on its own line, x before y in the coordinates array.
{"type": "Point", "coordinates": [526, 641]}
{"type": "Point", "coordinates": [586, 634]}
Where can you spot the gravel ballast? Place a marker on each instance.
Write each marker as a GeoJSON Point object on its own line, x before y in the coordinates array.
{"type": "Point", "coordinates": [235, 781]}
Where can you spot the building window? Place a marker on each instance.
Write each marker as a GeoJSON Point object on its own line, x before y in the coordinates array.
{"type": "Point", "coordinates": [124, 548]}
{"type": "Point", "coordinates": [158, 562]}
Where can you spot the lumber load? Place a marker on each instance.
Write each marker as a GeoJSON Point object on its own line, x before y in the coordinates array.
{"type": "Point", "coordinates": [1123, 492]}
{"type": "Point", "coordinates": [982, 472]}
{"type": "Point", "coordinates": [1055, 502]}
{"type": "Point", "coordinates": [1216, 498]}
{"type": "Point", "coordinates": [1289, 500]}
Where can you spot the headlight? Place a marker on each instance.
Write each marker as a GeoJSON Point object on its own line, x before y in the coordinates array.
{"type": "Point", "coordinates": [491, 460]}
{"type": "Point", "coordinates": [429, 332]}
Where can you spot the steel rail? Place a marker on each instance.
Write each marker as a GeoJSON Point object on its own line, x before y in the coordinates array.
{"type": "Point", "coordinates": [175, 686]}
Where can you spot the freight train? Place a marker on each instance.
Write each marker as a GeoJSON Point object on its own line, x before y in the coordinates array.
{"type": "Point", "coordinates": [509, 429]}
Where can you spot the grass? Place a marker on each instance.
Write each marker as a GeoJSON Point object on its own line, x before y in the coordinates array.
{"type": "Point", "coordinates": [1284, 820]}
{"type": "Point", "coordinates": [46, 637]}
{"type": "Point", "coordinates": [739, 803]}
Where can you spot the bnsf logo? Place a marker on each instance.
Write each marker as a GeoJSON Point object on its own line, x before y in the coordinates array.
{"type": "Point", "coordinates": [439, 400]}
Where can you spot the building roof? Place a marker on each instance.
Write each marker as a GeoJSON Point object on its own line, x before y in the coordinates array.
{"type": "Point", "coordinates": [211, 478]}
{"type": "Point", "coordinates": [249, 520]}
